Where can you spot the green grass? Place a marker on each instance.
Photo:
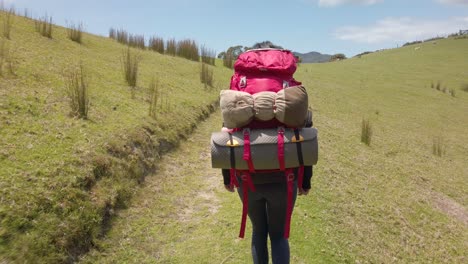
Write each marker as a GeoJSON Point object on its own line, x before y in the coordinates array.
{"type": "Point", "coordinates": [384, 199]}
{"type": "Point", "coordinates": [53, 200]}
{"type": "Point", "coordinates": [391, 202]}
{"type": "Point", "coordinates": [62, 179]}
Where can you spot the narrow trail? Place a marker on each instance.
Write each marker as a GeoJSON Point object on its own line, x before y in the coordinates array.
{"type": "Point", "coordinates": [181, 214]}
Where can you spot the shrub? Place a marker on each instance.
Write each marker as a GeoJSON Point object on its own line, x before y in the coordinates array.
{"type": "Point", "coordinates": [112, 33]}
{"type": "Point", "coordinates": [438, 86]}
{"type": "Point", "coordinates": [77, 89]}
{"type": "Point", "coordinates": [438, 147]}
{"type": "Point", "coordinates": [228, 60]}
{"type": "Point", "coordinates": [44, 26]}
{"type": "Point", "coordinates": [156, 44]}
{"type": "Point", "coordinates": [75, 32]}
{"type": "Point", "coordinates": [412, 43]}
{"type": "Point", "coordinates": [122, 36]}
{"type": "Point", "coordinates": [366, 132]}
{"type": "Point", "coordinates": [7, 22]}
{"type": "Point", "coordinates": [206, 75]}
{"type": "Point", "coordinates": [338, 57]}
{"type": "Point", "coordinates": [188, 49]}
{"type": "Point", "coordinates": [207, 55]}
{"type": "Point", "coordinates": [136, 41]}
{"type": "Point", "coordinates": [154, 96]}
{"type": "Point", "coordinates": [130, 62]}
{"type": "Point", "coordinates": [171, 47]}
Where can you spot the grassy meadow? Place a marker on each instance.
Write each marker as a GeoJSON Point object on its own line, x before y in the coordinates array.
{"type": "Point", "coordinates": [392, 201]}
{"type": "Point", "coordinates": [68, 185]}
{"type": "Point", "coordinates": [61, 177]}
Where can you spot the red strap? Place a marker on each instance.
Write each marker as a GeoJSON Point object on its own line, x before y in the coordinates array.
{"type": "Point", "coordinates": [245, 208]}
{"type": "Point", "coordinates": [233, 175]}
{"type": "Point", "coordinates": [289, 206]}
{"type": "Point", "coordinates": [247, 154]}
{"type": "Point", "coordinates": [247, 184]}
{"type": "Point", "coordinates": [300, 176]}
{"type": "Point", "coordinates": [281, 148]}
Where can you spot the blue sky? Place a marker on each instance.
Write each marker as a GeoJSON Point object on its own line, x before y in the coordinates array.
{"type": "Point", "coordinates": [326, 26]}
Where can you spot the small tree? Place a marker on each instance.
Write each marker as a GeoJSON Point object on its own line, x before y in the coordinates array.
{"type": "Point", "coordinates": [338, 57]}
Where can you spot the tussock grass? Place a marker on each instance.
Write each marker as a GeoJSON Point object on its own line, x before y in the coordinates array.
{"type": "Point", "coordinates": [113, 33]}
{"type": "Point", "coordinates": [228, 59]}
{"type": "Point", "coordinates": [7, 19]}
{"type": "Point", "coordinates": [452, 92]}
{"type": "Point", "coordinates": [136, 41]}
{"type": "Point", "coordinates": [77, 85]}
{"type": "Point", "coordinates": [366, 132]}
{"type": "Point", "coordinates": [153, 97]}
{"type": "Point", "coordinates": [75, 32]}
{"type": "Point", "coordinates": [465, 87]}
{"type": "Point", "coordinates": [44, 26]}
{"type": "Point", "coordinates": [130, 63]}
{"type": "Point", "coordinates": [206, 75]}
{"type": "Point", "coordinates": [55, 199]}
{"type": "Point", "coordinates": [188, 49]}
{"type": "Point", "coordinates": [156, 44]}
{"type": "Point", "coordinates": [8, 61]}
{"type": "Point", "coordinates": [171, 47]}
{"type": "Point", "coordinates": [438, 146]}
{"type": "Point", "coordinates": [207, 55]}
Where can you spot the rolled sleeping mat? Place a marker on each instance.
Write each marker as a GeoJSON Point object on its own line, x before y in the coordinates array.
{"type": "Point", "coordinates": [264, 148]}
{"type": "Point", "coordinates": [289, 106]}
{"type": "Point", "coordinates": [236, 108]}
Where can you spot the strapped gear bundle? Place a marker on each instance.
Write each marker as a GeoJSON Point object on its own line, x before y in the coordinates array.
{"type": "Point", "coordinates": [268, 123]}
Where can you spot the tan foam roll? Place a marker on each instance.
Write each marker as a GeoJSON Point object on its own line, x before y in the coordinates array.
{"type": "Point", "coordinates": [263, 105]}
{"type": "Point", "coordinates": [236, 108]}
{"type": "Point", "coordinates": [291, 106]}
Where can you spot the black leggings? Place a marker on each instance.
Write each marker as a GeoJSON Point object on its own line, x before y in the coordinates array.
{"type": "Point", "coordinates": [267, 212]}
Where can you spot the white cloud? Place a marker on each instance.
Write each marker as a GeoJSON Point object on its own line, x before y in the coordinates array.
{"type": "Point", "coordinates": [342, 2]}
{"type": "Point", "coordinates": [401, 30]}
{"type": "Point", "coordinates": [453, 2]}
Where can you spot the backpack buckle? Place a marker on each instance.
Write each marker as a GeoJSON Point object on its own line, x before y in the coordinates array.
{"type": "Point", "coordinates": [243, 82]}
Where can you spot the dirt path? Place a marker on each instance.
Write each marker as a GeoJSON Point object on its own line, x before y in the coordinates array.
{"type": "Point", "coordinates": [181, 214]}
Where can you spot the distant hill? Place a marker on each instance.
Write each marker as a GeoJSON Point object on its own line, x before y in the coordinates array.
{"type": "Point", "coordinates": [313, 57]}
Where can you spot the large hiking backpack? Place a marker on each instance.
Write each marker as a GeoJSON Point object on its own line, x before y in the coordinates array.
{"type": "Point", "coordinates": [266, 111]}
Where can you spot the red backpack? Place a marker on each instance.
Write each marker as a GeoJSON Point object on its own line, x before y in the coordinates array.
{"type": "Point", "coordinates": [255, 71]}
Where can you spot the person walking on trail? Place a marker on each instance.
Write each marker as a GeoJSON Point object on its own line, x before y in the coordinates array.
{"type": "Point", "coordinates": [268, 203]}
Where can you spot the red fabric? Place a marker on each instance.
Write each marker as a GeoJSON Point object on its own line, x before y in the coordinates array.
{"type": "Point", "coordinates": [245, 208]}
{"type": "Point", "coordinates": [232, 174]}
{"type": "Point", "coordinates": [247, 154]}
{"type": "Point", "coordinates": [289, 206]}
{"type": "Point", "coordinates": [247, 184]}
{"type": "Point", "coordinates": [300, 176]}
{"type": "Point", "coordinates": [281, 149]}
{"type": "Point", "coordinates": [279, 62]}
{"type": "Point", "coordinates": [264, 70]}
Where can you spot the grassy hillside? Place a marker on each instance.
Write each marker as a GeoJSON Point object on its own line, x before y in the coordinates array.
{"type": "Point", "coordinates": [391, 202]}
{"type": "Point", "coordinates": [61, 177]}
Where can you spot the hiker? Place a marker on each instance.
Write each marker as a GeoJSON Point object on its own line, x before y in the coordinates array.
{"type": "Point", "coordinates": [267, 204]}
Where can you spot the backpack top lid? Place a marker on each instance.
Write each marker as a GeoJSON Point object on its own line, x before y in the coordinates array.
{"type": "Point", "coordinates": [273, 61]}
